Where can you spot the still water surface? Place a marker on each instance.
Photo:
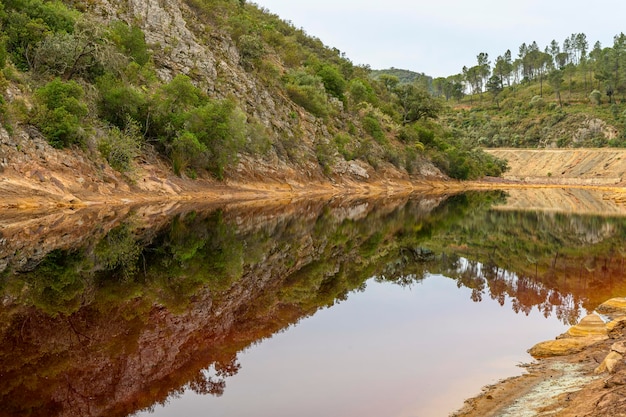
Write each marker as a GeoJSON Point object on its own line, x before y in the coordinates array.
{"type": "Point", "coordinates": [389, 351]}
{"type": "Point", "coordinates": [397, 306]}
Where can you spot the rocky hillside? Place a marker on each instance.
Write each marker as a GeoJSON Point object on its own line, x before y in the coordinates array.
{"type": "Point", "coordinates": [565, 166]}
{"type": "Point", "coordinates": [149, 94]}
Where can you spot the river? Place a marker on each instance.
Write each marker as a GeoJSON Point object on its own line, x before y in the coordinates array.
{"type": "Point", "coordinates": [395, 306]}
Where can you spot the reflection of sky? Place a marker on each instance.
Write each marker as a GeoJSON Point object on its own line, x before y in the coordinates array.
{"type": "Point", "coordinates": [389, 351]}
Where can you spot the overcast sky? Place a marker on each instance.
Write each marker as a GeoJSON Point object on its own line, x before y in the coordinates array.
{"type": "Point", "coordinates": [439, 37]}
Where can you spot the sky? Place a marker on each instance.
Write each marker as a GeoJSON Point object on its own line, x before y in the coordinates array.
{"type": "Point", "coordinates": [439, 37]}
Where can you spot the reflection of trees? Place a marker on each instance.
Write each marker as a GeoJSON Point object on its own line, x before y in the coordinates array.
{"type": "Point", "coordinates": [557, 263]}
{"type": "Point", "coordinates": [186, 297]}
{"type": "Point", "coordinates": [177, 303]}
{"type": "Point", "coordinates": [525, 292]}
{"type": "Point", "coordinates": [206, 384]}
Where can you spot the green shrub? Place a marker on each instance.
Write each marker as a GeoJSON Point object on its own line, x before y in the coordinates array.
{"type": "Point", "coordinates": [28, 22]}
{"type": "Point", "coordinates": [120, 147]}
{"type": "Point", "coordinates": [3, 51]}
{"type": "Point", "coordinates": [342, 141]}
{"type": "Point", "coordinates": [250, 49]}
{"type": "Point", "coordinates": [333, 81]}
{"type": "Point", "coordinates": [59, 112]}
{"type": "Point", "coordinates": [130, 40]}
{"type": "Point", "coordinates": [538, 102]}
{"type": "Point", "coordinates": [308, 91]}
{"type": "Point", "coordinates": [258, 141]}
{"type": "Point", "coordinates": [221, 127]}
{"type": "Point", "coordinates": [411, 159]}
{"type": "Point", "coordinates": [361, 91]}
{"type": "Point", "coordinates": [595, 97]}
{"type": "Point", "coordinates": [118, 101]}
{"type": "Point", "coordinates": [171, 107]}
{"type": "Point", "coordinates": [373, 128]}
{"type": "Point", "coordinates": [325, 153]}
{"type": "Point", "coordinates": [415, 134]}
{"type": "Point", "coordinates": [186, 152]}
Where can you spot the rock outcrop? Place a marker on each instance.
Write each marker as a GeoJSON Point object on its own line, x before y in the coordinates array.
{"type": "Point", "coordinates": [564, 166]}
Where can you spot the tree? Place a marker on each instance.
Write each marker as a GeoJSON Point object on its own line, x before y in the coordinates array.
{"type": "Point", "coordinates": [457, 87]}
{"type": "Point", "coordinates": [555, 78]}
{"type": "Point", "coordinates": [494, 86]}
{"type": "Point", "coordinates": [484, 67]}
{"type": "Point", "coordinates": [543, 62]}
{"type": "Point", "coordinates": [554, 50]}
{"type": "Point", "coordinates": [83, 53]}
{"type": "Point", "coordinates": [390, 81]}
{"type": "Point", "coordinates": [503, 68]}
{"type": "Point", "coordinates": [610, 66]}
{"type": "Point", "coordinates": [473, 78]}
{"type": "Point", "coordinates": [416, 103]}
{"type": "Point", "coordinates": [595, 55]}
{"type": "Point", "coordinates": [619, 47]}
{"type": "Point", "coordinates": [449, 87]}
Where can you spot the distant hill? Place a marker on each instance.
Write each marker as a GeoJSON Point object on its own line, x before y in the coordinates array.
{"type": "Point", "coordinates": [405, 76]}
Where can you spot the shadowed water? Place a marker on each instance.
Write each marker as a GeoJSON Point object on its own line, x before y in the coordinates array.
{"type": "Point", "coordinates": [398, 306]}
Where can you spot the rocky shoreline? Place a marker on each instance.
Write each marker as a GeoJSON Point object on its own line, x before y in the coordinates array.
{"type": "Point", "coordinates": [580, 373]}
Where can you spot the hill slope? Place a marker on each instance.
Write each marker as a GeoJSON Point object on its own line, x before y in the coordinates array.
{"type": "Point", "coordinates": [565, 166]}
{"type": "Point", "coordinates": [205, 89]}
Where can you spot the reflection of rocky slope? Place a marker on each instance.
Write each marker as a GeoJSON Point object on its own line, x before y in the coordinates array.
{"type": "Point", "coordinates": [564, 200]}
{"type": "Point", "coordinates": [158, 294]}
{"type": "Point", "coordinates": [132, 342]}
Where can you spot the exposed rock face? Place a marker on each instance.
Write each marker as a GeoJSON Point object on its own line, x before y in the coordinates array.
{"type": "Point", "coordinates": [564, 166]}
{"type": "Point", "coordinates": [563, 347]}
{"type": "Point", "coordinates": [183, 43]}
{"type": "Point", "coordinates": [608, 319]}
{"type": "Point", "coordinates": [183, 46]}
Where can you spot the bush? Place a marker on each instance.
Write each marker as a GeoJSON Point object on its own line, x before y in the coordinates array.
{"type": "Point", "coordinates": [171, 107]}
{"type": "Point", "coordinates": [250, 49]}
{"type": "Point", "coordinates": [325, 153]}
{"type": "Point", "coordinates": [258, 141]}
{"type": "Point", "coordinates": [537, 102]}
{"type": "Point", "coordinates": [119, 101]}
{"type": "Point", "coordinates": [3, 51]}
{"type": "Point", "coordinates": [120, 147]}
{"type": "Point", "coordinates": [342, 140]}
{"type": "Point", "coordinates": [333, 81]}
{"type": "Point", "coordinates": [372, 127]}
{"type": "Point", "coordinates": [28, 22]}
{"type": "Point", "coordinates": [414, 134]}
{"type": "Point", "coordinates": [595, 97]}
{"type": "Point", "coordinates": [131, 41]}
{"type": "Point", "coordinates": [221, 127]}
{"type": "Point", "coordinates": [308, 91]}
{"type": "Point", "coordinates": [186, 151]}
{"type": "Point", "coordinates": [59, 112]}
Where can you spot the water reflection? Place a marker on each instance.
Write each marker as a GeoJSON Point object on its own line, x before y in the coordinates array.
{"type": "Point", "coordinates": [107, 313]}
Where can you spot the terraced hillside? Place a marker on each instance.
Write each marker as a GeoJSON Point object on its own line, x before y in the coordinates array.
{"type": "Point", "coordinates": [605, 166]}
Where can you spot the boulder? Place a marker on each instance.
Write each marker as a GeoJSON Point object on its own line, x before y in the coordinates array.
{"type": "Point", "coordinates": [563, 347]}
{"type": "Point", "coordinates": [591, 325]}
